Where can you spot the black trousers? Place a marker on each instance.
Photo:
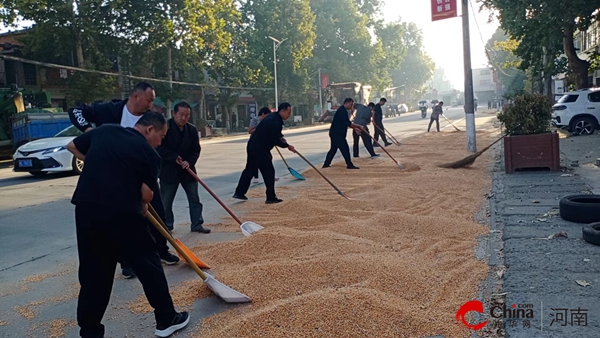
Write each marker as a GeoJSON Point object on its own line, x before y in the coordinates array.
{"type": "Point", "coordinates": [258, 160]}
{"type": "Point", "coordinates": [338, 142]}
{"type": "Point", "coordinates": [379, 131]}
{"type": "Point", "coordinates": [102, 236]}
{"type": "Point", "coordinates": [366, 141]}
{"type": "Point", "coordinates": [161, 241]}
{"type": "Point", "coordinates": [437, 123]}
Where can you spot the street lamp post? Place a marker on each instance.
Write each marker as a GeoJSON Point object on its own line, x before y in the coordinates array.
{"type": "Point", "coordinates": [276, 44]}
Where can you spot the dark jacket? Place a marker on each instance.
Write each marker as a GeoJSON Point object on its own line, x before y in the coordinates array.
{"type": "Point", "coordinates": [340, 123]}
{"type": "Point", "coordinates": [83, 116]}
{"type": "Point", "coordinates": [267, 135]}
{"type": "Point", "coordinates": [185, 144]}
{"type": "Point", "coordinates": [378, 114]}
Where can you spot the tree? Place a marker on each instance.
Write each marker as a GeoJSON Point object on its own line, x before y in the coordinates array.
{"type": "Point", "coordinates": [549, 24]}
{"type": "Point", "coordinates": [416, 69]}
{"type": "Point", "coordinates": [500, 51]}
{"type": "Point", "coordinates": [282, 19]}
{"type": "Point", "coordinates": [439, 81]}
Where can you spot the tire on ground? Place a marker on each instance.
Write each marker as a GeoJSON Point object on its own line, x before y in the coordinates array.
{"type": "Point", "coordinates": [580, 208]}
{"type": "Point", "coordinates": [591, 233]}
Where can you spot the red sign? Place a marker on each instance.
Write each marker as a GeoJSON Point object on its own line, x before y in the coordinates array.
{"type": "Point", "coordinates": [324, 80]}
{"type": "Point", "coordinates": [443, 9]}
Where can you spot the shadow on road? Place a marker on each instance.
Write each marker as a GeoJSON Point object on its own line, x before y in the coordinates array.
{"type": "Point", "coordinates": [27, 178]}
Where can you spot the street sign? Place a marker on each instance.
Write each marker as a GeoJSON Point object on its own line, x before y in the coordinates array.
{"type": "Point", "coordinates": [443, 9]}
{"type": "Point", "coordinates": [324, 80]}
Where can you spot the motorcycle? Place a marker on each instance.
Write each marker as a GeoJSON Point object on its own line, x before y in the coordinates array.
{"type": "Point", "coordinates": [423, 112]}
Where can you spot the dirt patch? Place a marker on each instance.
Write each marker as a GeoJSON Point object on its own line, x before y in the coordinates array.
{"type": "Point", "coordinates": [3, 323]}
{"type": "Point", "coordinates": [58, 328]}
{"type": "Point", "coordinates": [29, 310]}
{"type": "Point", "coordinates": [25, 283]}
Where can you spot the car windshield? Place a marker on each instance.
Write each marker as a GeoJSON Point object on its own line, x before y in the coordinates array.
{"type": "Point", "coordinates": [568, 98]}
{"type": "Point", "coordinates": [69, 131]}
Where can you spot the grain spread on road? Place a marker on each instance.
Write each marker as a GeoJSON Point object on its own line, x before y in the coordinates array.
{"type": "Point", "coordinates": [397, 261]}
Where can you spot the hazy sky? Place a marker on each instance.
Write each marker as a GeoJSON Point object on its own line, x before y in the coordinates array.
{"type": "Point", "coordinates": [443, 39]}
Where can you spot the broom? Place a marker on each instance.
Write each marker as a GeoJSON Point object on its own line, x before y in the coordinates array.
{"type": "Point", "coordinates": [467, 161]}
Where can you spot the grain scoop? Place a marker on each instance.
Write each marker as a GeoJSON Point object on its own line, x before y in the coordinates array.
{"type": "Point", "coordinates": [226, 293]}
{"type": "Point", "coordinates": [247, 227]}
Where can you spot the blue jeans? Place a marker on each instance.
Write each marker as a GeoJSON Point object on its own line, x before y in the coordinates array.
{"type": "Point", "coordinates": [168, 191]}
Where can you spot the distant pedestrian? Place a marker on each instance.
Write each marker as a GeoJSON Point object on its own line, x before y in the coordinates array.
{"type": "Point", "coordinates": [435, 116]}
{"type": "Point", "coordinates": [182, 141]}
{"type": "Point", "coordinates": [338, 132]}
{"type": "Point", "coordinates": [378, 122]}
{"type": "Point", "coordinates": [489, 104]}
{"type": "Point", "coordinates": [362, 117]}
{"type": "Point", "coordinates": [111, 198]}
{"type": "Point", "coordinates": [266, 136]}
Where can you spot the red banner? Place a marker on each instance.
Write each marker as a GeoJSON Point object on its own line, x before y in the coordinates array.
{"type": "Point", "coordinates": [324, 80]}
{"type": "Point", "coordinates": [443, 9]}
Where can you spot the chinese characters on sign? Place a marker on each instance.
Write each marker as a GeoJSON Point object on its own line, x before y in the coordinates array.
{"type": "Point", "coordinates": [443, 9]}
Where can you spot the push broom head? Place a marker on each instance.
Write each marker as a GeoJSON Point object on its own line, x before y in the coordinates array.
{"type": "Point", "coordinates": [465, 162]}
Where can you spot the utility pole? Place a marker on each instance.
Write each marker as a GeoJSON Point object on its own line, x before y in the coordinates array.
{"type": "Point", "coordinates": [170, 71]}
{"type": "Point", "coordinates": [469, 99]}
{"type": "Point", "coordinates": [320, 94]}
{"type": "Point", "coordinates": [276, 44]}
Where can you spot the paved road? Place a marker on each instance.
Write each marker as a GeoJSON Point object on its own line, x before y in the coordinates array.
{"type": "Point", "coordinates": [37, 220]}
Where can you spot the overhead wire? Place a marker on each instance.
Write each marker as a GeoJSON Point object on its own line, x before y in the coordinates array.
{"type": "Point", "coordinates": [93, 71]}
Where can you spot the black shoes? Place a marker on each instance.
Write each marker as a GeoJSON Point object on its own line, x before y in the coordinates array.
{"type": "Point", "coordinates": [180, 321]}
{"type": "Point", "coordinates": [274, 201]}
{"type": "Point", "coordinates": [388, 144]}
{"type": "Point", "coordinates": [325, 166]}
{"type": "Point", "coordinates": [201, 230]}
{"type": "Point", "coordinates": [352, 167]}
{"type": "Point", "coordinates": [375, 155]}
{"type": "Point", "coordinates": [169, 259]}
{"type": "Point", "coordinates": [128, 273]}
{"type": "Point", "coordinates": [240, 197]}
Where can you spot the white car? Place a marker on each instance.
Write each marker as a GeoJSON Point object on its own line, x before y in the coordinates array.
{"type": "Point", "coordinates": [48, 155]}
{"type": "Point", "coordinates": [578, 111]}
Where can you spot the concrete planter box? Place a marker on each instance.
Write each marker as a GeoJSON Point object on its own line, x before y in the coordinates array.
{"type": "Point", "coordinates": [532, 152]}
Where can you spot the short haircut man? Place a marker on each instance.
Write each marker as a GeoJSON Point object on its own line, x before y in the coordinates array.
{"type": "Point", "coordinates": [182, 141]}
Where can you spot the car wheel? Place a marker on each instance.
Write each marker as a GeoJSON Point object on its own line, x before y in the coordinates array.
{"type": "Point", "coordinates": [583, 126]}
{"type": "Point", "coordinates": [580, 208]}
{"type": "Point", "coordinates": [38, 173]}
{"type": "Point", "coordinates": [591, 233]}
{"type": "Point", "coordinates": [77, 165]}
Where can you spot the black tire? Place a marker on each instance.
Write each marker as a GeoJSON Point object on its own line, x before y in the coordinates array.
{"type": "Point", "coordinates": [77, 166]}
{"type": "Point", "coordinates": [580, 208]}
{"type": "Point", "coordinates": [583, 126]}
{"type": "Point", "coordinates": [591, 233]}
{"type": "Point", "coordinates": [38, 173]}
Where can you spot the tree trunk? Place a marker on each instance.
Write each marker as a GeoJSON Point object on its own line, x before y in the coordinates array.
{"type": "Point", "coordinates": [577, 66]}
{"type": "Point", "coordinates": [77, 35]}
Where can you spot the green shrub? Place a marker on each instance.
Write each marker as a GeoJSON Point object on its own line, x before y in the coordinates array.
{"type": "Point", "coordinates": [529, 114]}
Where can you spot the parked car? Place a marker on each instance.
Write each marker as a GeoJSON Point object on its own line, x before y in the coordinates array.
{"type": "Point", "coordinates": [46, 155]}
{"type": "Point", "coordinates": [578, 111]}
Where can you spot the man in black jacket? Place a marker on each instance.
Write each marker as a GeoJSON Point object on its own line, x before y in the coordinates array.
{"type": "Point", "coordinates": [378, 122]}
{"type": "Point", "coordinates": [338, 132]}
{"type": "Point", "coordinates": [266, 136]}
{"type": "Point", "coordinates": [112, 195]}
{"type": "Point", "coordinates": [126, 113]}
{"type": "Point", "coordinates": [181, 141]}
